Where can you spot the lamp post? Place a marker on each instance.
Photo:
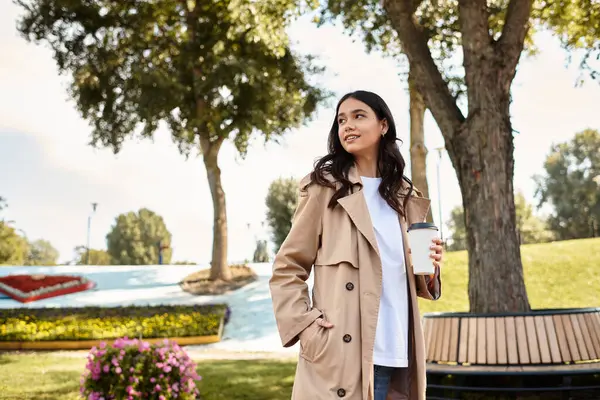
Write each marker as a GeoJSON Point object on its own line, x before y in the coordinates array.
{"type": "Point", "coordinates": [439, 185]}
{"type": "Point", "coordinates": [94, 205]}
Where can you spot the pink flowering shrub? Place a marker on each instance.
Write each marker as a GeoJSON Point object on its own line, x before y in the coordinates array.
{"type": "Point", "coordinates": [134, 369]}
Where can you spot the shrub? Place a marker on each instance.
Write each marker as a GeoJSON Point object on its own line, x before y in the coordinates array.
{"type": "Point", "coordinates": [133, 369]}
{"type": "Point", "coordinates": [104, 323]}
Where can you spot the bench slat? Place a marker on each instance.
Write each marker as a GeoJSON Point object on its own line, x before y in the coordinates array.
{"type": "Point", "coordinates": [587, 337]}
{"type": "Point", "coordinates": [552, 339]}
{"type": "Point", "coordinates": [452, 356]}
{"type": "Point", "coordinates": [542, 339]}
{"type": "Point", "coordinates": [501, 341]}
{"type": "Point", "coordinates": [563, 342]}
{"type": "Point", "coordinates": [439, 338]}
{"type": "Point", "coordinates": [594, 326]}
{"type": "Point", "coordinates": [463, 345]}
{"type": "Point", "coordinates": [445, 355]}
{"type": "Point", "coordinates": [534, 347]}
{"type": "Point", "coordinates": [490, 329]}
{"type": "Point", "coordinates": [522, 340]}
{"type": "Point", "coordinates": [427, 332]}
{"type": "Point", "coordinates": [481, 341]}
{"type": "Point", "coordinates": [568, 327]}
{"type": "Point", "coordinates": [472, 353]}
{"type": "Point", "coordinates": [511, 341]}
{"type": "Point", "coordinates": [579, 337]}
{"type": "Point", "coordinates": [433, 327]}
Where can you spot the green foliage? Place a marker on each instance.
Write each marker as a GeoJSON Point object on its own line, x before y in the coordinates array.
{"type": "Point", "coordinates": [571, 184]}
{"type": "Point", "coordinates": [100, 323]}
{"type": "Point", "coordinates": [13, 248]}
{"type": "Point", "coordinates": [577, 24]}
{"type": "Point", "coordinates": [135, 237]}
{"type": "Point", "coordinates": [458, 230]}
{"type": "Point", "coordinates": [215, 69]}
{"type": "Point", "coordinates": [261, 253]}
{"type": "Point", "coordinates": [41, 252]}
{"type": "Point", "coordinates": [531, 228]}
{"type": "Point", "coordinates": [96, 257]}
{"type": "Point", "coordinates": [211, 70]}
{"type": "Point", "coordinates": [282, 200]}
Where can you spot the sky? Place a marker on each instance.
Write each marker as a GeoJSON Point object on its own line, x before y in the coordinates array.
{"type": "Point", "coordinates": [50, 176]}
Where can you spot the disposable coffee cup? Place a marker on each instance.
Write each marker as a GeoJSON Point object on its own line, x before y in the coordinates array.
{"type": "Point", "coordinates": [421, 237]}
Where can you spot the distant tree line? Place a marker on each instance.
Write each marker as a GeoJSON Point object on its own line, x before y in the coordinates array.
{"type": "Point", "coordinates": [136, 238]}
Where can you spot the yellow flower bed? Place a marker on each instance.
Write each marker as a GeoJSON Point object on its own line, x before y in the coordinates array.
{"type": "Point", "coordinates": [99, 323]}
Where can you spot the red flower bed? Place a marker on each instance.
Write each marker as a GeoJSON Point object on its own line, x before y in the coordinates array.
{"type": "Point", "coordinates": [27, 288]}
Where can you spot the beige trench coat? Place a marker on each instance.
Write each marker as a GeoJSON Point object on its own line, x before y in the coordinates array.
{"type": "Point", "coordinates": [340, 248]}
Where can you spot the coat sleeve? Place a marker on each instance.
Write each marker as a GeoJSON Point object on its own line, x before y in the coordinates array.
{"type": "Point", "coordinates": [292, 267]}
{"type": "Point", "coordinates": [429, 287]}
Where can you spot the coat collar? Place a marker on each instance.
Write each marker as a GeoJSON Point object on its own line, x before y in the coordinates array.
{"type": "Point", "coordinates": [355, 206]}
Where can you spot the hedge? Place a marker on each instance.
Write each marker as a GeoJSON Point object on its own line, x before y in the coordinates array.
{"type": "Point", "coordinates": [102, 323]}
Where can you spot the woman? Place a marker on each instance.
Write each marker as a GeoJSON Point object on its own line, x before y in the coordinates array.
{"type": "Point", "coordinates": [361, 336]}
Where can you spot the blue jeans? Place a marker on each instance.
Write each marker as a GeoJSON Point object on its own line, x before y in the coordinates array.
{"type": "Point", "coordinates": [382, 378]}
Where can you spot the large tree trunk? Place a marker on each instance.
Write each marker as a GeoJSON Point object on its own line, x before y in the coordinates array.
{"type": "Point", "coordinates": [481, 145]}
{"type": "Point", "coordinates": [219, 269]}
{"type": "Point", "coordinates": [482, 155]}
{"type": "Point", "coordinates": [418, 151]}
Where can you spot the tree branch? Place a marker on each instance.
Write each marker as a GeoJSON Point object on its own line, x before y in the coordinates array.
{"type": "Point", "coordinates": [428, 78]}
{"type": "Point", "coordinates": [510, 44]}
{"type": "Point", "coordinates": [474, 29]}
{"type": "Point", "coordinates": [210, 148]}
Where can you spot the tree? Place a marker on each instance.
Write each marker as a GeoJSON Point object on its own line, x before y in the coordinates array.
{"type": "Point", "coordinates": [571, 184]}
{"type": "Point", "coordinates": [418, 151]}
{"type": "Point", "coordinates": [530, 228]}
{"type": "Point", "coordinates": [212, 70]}
{"type": "Point", "coordinates": [282, 200]}
{"type": "Point", "coordinates": [13, 248]}
{"type": "Point", "coordinates": [480, 144]}
{"type": "Point", "coordinates": [458, 230]}
{"type": "Point", "coordinates": [97, 257]}
{"type": "Point", "coordinates": [261, 254]}
{"type": "Point", "coordinates": [135, 239]}
{"type": "Point", "coordinates": [41, 252]}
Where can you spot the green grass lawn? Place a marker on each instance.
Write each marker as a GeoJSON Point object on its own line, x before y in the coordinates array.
{"type": "Point", "coordinates": [44, 376]}
{"type": "Point", "coordinates": [558, 275]}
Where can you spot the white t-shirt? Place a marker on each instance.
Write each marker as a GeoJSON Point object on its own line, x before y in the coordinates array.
{"type": "Point", "coordinates": [391, 336]}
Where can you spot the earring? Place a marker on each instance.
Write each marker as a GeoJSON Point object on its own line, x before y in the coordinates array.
{"type": "Point", "coordinates": [383, 133]}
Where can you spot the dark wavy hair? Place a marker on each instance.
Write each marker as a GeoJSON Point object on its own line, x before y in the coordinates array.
{"type": "Point", "coordinates": [390, 163]}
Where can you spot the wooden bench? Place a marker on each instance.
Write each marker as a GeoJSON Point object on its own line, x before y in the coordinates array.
{"type": "Point", "coordinates": [560, 341]}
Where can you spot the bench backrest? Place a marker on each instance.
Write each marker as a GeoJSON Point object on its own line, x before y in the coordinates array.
{"type": "Point", "coordinates": [531, 339]}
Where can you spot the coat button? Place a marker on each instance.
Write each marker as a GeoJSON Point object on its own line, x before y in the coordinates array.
{"type": "Point", "coordinates": [347, 338]}
{"type": "Point", "coordinates": [341, 392]}
{"type": "Point", "coordinates": [349, 286]}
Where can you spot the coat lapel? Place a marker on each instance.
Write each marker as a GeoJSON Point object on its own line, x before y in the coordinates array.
{"type": "Point", "coordinates": [355, 206]}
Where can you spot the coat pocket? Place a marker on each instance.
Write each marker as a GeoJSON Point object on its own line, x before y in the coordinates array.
{"type": "Point", "coordinates": [312, 342]}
